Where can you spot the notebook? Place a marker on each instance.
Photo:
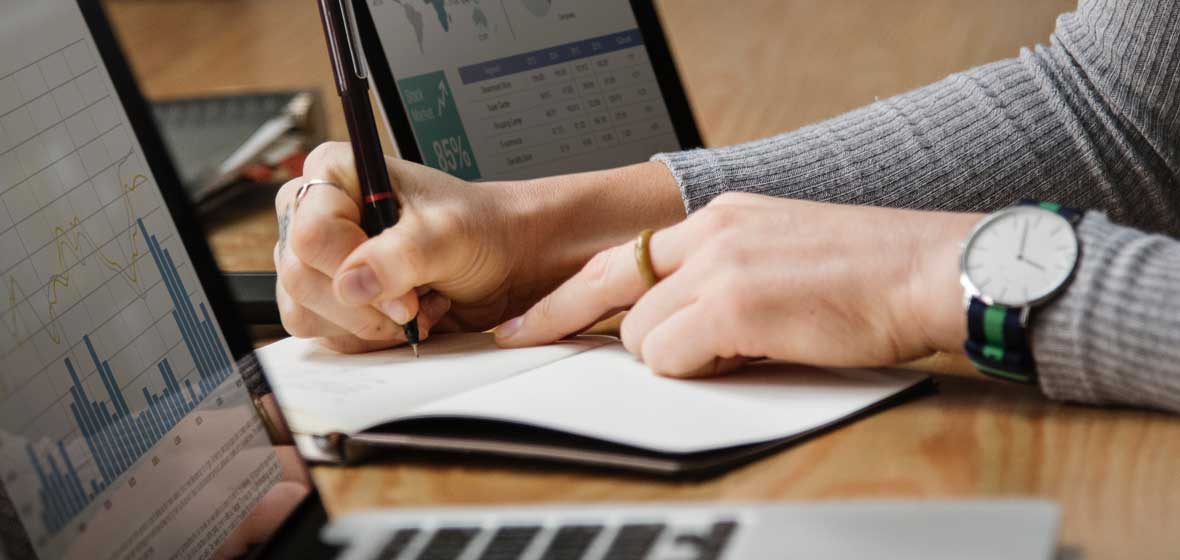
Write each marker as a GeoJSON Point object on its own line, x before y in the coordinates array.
{"type": "Point", "coordinates": [585, 400]}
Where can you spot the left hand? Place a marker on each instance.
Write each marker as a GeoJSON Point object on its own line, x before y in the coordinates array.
{"type": "Point", "coordinates": [755, 276]}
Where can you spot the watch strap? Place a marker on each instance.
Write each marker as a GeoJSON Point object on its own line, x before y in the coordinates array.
{"type": "Point", "coordinates": [1071, 215]}
{"type": "Point", "coordinates": [998, 342]}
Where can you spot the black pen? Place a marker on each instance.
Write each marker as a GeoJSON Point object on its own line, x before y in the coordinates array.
{"type": "Point", "coordinates": [379, 205]}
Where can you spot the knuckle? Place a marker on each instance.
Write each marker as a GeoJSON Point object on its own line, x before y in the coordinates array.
{"type": "Point", "coordinates": [713, 252]}
{"type": "Point", "coordinates": [323, 156]}
{"type": "Point", "coordinates": [718, 218]}
{"type": "Point", "coordinates": [732, 282]}
{"type": "Point", "coordinates": [295, 319]}
{"type": "Point", "coordinates": [730, 248]}
{"type": "Point", "coordinates": [307, 238]}
{"type": "Point", "coordinates": [448, 220]}
{"type": "Point", "coordinates": [333, 162]}
{"type": "Point", "coordinates": [295, 278]}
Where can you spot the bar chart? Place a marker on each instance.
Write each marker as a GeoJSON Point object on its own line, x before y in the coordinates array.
{"type": "Point", "coordinates": [115, 436]}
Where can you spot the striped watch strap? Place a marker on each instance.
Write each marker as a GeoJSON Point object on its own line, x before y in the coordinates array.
{"type": "Point", "coordinates": [997, 342]}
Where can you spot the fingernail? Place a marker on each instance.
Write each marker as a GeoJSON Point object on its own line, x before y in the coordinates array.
{"type": "Point", "coordinates": [509, 328]}
{"type": "Point", "coordinates": [396, 310]}
{"type": "Point", "coordinates": [359, 285]}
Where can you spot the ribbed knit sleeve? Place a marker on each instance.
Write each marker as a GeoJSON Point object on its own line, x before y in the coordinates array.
{"type": "Point", "coordinates": [1115, 337]}
{"type": "Point", "coordinates": [1091, 121]}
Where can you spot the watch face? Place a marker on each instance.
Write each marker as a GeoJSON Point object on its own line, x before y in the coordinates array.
{"type": "Point", "coordinates": [1019, 256]}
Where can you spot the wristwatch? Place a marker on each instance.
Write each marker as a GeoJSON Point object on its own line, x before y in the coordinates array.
{"type": "Point", "coordinates": [1013, 261]}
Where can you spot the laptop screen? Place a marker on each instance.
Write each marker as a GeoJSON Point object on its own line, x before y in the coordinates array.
{"type": "Point", "coordinates": [126, 427]}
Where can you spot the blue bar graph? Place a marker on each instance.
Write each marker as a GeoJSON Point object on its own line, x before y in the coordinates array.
{"type": "Point", "coordinates": [115, 436]}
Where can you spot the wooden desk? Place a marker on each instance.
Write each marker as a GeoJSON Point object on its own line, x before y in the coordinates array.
{"type": "Point", "coordinates": [751, 68]}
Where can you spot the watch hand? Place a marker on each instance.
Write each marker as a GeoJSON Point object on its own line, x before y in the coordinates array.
{"type": "Point", "coordinates": [1033, 264]}
{"type": "Point", "coordinates": [1023, 243]}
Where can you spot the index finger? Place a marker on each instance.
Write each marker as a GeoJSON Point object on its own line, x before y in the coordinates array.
{"type": "Point", "coordinates": [325, 228]}
{"type": "Point", "coordinates": [609, 282]}
{"type": "Point", "coordinates": [322, 225]}
{"type": "Point", "coordinates": [332, 162]}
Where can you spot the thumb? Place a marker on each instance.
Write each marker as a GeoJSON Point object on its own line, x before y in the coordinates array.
{"type": "Point", "coordinates": [384, 268]}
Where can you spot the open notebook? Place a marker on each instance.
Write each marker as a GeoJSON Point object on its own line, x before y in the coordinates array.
{"type": "Point", "coordinates": [586, 400]}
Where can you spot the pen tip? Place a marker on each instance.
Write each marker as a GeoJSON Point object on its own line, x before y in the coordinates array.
{"type": "Point", "coordinates": [415, 347]}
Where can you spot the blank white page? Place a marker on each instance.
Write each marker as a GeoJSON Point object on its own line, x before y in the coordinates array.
{"type": "Point", "coordinates": [322, 391]}
{"type": "Point", "coordinates": [606, 393]}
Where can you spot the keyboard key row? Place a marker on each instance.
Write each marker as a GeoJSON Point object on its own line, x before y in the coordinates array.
{"type": "Point", "coordinates": [569, 542]}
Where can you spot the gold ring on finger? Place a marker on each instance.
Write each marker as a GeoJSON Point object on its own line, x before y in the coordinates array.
{"type": "Point", "coordinates": [643, 258]}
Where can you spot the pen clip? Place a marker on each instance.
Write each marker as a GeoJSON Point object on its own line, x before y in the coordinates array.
{"type": "Point", "coordinates": [350, 38]}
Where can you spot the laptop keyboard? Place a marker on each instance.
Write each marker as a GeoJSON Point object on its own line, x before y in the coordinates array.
{"type": "Point", "coordinates": [568, 542]}
{"type": "Point", "coordinates": [509, 543]}
{"type": "Point", "coordinates": [634, 541]}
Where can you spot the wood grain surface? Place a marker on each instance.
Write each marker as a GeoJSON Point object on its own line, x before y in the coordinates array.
{"type": "Point", "coordinates": [751, 68]}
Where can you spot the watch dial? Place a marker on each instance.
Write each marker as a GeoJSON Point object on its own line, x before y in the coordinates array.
{"type": "Point", "coordinates": [1020, 256]}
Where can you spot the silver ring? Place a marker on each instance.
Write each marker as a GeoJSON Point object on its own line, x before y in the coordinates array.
{"type": "Point", "coordinates": [306, 186]}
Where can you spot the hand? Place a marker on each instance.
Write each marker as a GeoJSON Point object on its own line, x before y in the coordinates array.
{"type": "Point", "coordinates": [354, 293]}
{"type": "Point", "coordinates": [463, 256]}
{"type": "Point", "coordinates": [753, 276]}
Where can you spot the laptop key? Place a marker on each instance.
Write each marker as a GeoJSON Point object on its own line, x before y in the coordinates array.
{"type": "Point", "coordinates": [397, 544]}
{"type": "Point", "coordinates": [710, 546]}
{"type": "Point", "coordinates": [448, 543]}
{"type": "Point", "coordinates": [571, 542]}
{"type": "Point", "coordinates": [634, 542]}
{"type": "Point", "coordinates": [509, 543]}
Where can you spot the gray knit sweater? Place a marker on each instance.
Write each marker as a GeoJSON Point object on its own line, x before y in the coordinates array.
{"type": "Point", "coordinates": [1090, 121]}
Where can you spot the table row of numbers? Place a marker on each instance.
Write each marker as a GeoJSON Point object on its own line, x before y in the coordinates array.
{"type": "Point", "coordinates": [581, 122]}
{"type": "Point", "coordinates": [573, 142]}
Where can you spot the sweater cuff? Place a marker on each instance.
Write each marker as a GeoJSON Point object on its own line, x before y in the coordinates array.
{"type": "Point", "coordinates": [1095, 343]}
{"type": "Point", "coordinates": [1057, 333]}
{"type": "Point", "coordinates": [698, 173]}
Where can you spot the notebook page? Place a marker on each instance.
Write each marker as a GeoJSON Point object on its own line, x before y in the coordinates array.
{"type": "Point", "coordinates": [322, 391]}
{"type": "Point", "coordinates": [606, 393]}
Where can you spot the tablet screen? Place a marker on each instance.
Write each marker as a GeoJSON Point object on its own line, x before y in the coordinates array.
{"type": "Point", "coordinates": [508, 89]}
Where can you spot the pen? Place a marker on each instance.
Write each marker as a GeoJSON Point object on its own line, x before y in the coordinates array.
{"type": "Point", "coordinates": [379, 205]}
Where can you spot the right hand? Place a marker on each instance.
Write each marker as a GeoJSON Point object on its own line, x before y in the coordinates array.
{"type": "Point", "coordinates": [454, 242]}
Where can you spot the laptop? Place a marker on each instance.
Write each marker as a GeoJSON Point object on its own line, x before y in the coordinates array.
{"type": "Point", "coordinates": [134, 422]}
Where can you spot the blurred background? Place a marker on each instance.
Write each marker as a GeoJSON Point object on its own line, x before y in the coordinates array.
{"type": "Point", "coordinates": [752, 68]}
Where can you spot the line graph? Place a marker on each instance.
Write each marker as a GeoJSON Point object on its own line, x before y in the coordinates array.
{"type": "Point", "coordinates": [70, 240]}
